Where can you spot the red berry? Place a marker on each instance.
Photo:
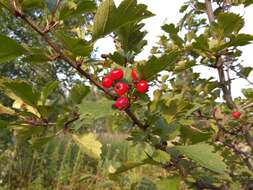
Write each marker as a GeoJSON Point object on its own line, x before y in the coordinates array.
{"type": "Point", "coordinates": [117, 74]}
{"type": "Point", "coordinates": [134, 75]}
{"type": "Point", "coordinates": [142, 86]}
{"type": "Point", "coordinates": [120, 88]}
{"type": "Point", "coordinates": [107, 82]}
{"type": "Point", "coordinates": [236, 114]}
{"type": "Point", "coordinates": [121, 103]}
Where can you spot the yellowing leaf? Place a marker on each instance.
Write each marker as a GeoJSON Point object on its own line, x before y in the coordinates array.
{"type": "Point", "coordinates": [20, 104]}
{"type": "Point", "coordinates": [161, 157]}
{"type": "Point", "coordinates": [111, 169]}
{"type": "Point", "coordinates": [89, 144]}
{"type": "Point", "coordinates": [6, 110]}
{"type": "Point", "coordinates": [126, 166]}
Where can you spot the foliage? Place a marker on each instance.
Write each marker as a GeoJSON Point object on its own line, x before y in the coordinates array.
{"type": "Point", "coordinates": [180, 137]}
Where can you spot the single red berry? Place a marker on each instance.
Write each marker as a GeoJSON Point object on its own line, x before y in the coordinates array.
{"type": "Point", "coordinates": [107, 82]}
{"type": "Point", "coordinates": [142, 86]}
{"type": "Point", "coordinates": [236, 114]}
{"type": "Point", "coordinates": [134, 75]}
{"type": "Point", "coordinates": [117, 74]}
{"type": "Point", "coordinates": [121, 103]}
{"type": "Point", "coordinates": [120, 88]}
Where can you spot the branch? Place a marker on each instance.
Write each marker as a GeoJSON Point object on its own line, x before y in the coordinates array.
{"type": "Point", "coordinates": [226, 92]}
{"type": "Point", "coordinates": [228, 79]}
{"type": "Point", "coordinates": [220, 62]}
{"type": "Point", "coordinates": [57, 5]}
{"type": "Point", "coordinates": [209, 11]}
{"type": "Point", "coordinates": [242, 155]}
{"type": "Point", "coordinates": [250, 105]}
{"type": "Point", "coordinates": [76, 66]}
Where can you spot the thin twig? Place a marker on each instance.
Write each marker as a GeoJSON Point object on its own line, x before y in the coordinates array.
{"type": "Point", "coordinates": [68, 123]}
{"type": "Point", "coordinates": [220, 61]}
{"type": "Point", "coordinates": [57, 5]}
{"type": "Point", "coordinates": [209, 11]}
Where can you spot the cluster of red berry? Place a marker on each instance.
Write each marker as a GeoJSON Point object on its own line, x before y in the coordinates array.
{"type": "Point", "coordinates": [121, 88]}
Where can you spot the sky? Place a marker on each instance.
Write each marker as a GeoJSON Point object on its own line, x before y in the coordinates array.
{"type": "Point", "coordinates": [167, 11]}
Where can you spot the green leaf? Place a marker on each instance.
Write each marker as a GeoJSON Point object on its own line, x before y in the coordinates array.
{"type": "Point", "coordinates": [248, 2]}
{"type": "Point", "coordinates": [24, 91]}
{"type": "Point", "coordinates": [201, 43]}
{"type": "Point", "coordinates": [78, 92]}
{"type": "Point", "coordinates": [36, 58]}
{"type": "Point", "coordinates": [117, 58]}
{"type": "Point", "coordinates": [47, 90]}
{"type": "Point", "coordinates": [245, 71]}
{"type": "Point", "coordinates": [71, 9]}
{"type": "Point", "coordinates": [173, 32]}
{"type": "Point", "coordinates": [194, 135]}
{"type": "Point", "coordinates": [6, 110]}
{"type": "Point", "coordinates": [89, 144]}
{"type": "Point", "coordinates": [10, 49]}
{"type": "Point", "coordinates": [183, 8]}
{"type": "Point", "coordinates": [131, 37]}
{"type": "Point", "coordinates": [108, 18]}
{"type": "Point", "coordinates": [26, 131]}
{"type": "Point", "coordinates": [95, 109]}
{"type": "Point", "coordinates": [77, 46]}
{"type": "Point", "coordinates": [204, 155]}
{"type": "Point", "coordinates": [248, 93]}
{"type": "Point", "coordinates": [3, 124]}
{"type": "Point", "coordinates": [126, 166]}
{"type": "Point", "coordinates": [40, 142]}
{"type": "Point", "coordinates": [166, 131]}
{"type": "Point", "coordinates": [156, 65]}
{"type": "Point", "coordinates": [228, 23]}
{"type": "Point", "coordinates": [171, 183]}
{"type": "Point", "coordinates": [161, 157]}
{"type": "Point", "coordinates": [103, 20]}
{"type": "Point", "coordinates": [238, 40]}
{"type": "Point", "coordinates": [145, 184]}
{"type": "Point", "coordinates": [29, 4]}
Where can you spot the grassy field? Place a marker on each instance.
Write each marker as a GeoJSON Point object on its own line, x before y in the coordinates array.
{"type": "Point", "coordinates": [62, 165]}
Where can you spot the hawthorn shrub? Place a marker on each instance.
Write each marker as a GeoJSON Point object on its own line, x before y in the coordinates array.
{"type": "Point", "coordinates": [55, 93]}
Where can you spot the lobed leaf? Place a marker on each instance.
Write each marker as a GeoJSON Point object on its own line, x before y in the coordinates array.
{"type": "Point", "coordinates": [108, 18]}
{"type": "Point", "coordinates": [10, 49]}
{"type": "Point", "coordinates": [156, 65]}
{"type": "Point", "coordinates": [204, 155]}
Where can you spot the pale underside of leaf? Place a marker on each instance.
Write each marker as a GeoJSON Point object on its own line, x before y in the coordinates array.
{"type": "Point", "coordinates": [89, 144]}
